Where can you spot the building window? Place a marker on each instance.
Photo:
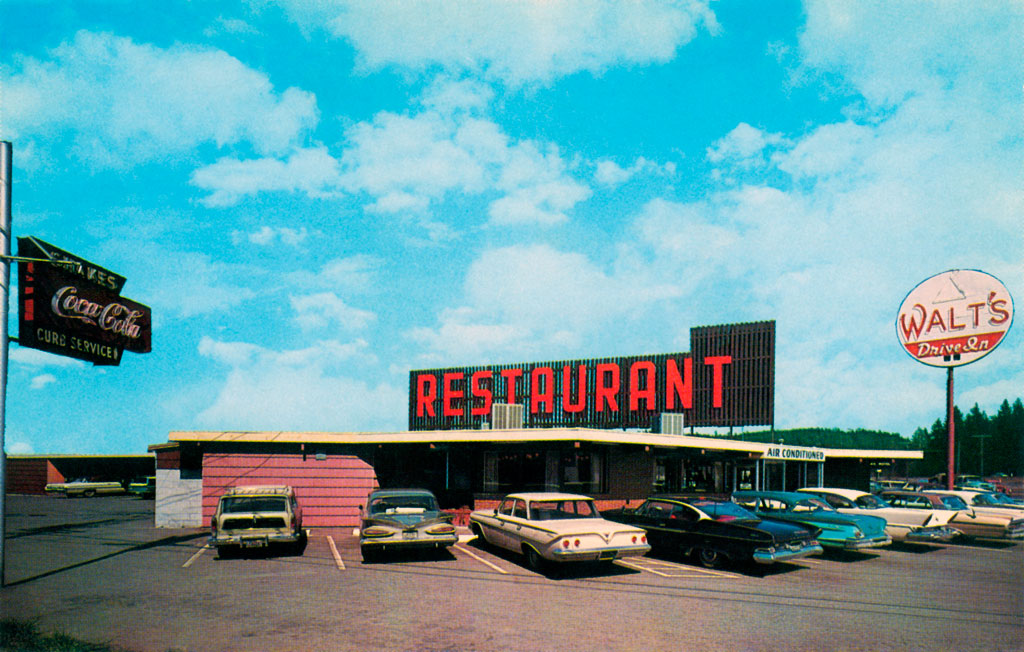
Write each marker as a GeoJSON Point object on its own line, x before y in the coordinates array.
{"type": "Point", "coordinates": [583, 472]}
{"type": "Point", "coordinates": [506, 472]}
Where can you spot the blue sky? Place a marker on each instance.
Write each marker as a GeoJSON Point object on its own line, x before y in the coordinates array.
{"type": "Point", "coordinates": [316, 198]}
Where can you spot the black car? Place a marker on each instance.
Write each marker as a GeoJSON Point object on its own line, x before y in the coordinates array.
{"type": "Point", "coordinates": [715, 530]}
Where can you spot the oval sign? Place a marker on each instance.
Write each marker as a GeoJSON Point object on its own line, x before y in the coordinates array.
{"type": "Point", "coordinates": [954, 318]}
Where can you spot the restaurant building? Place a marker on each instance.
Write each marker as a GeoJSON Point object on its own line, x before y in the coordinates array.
{"type": "Point", "coordinates": [611, 428]}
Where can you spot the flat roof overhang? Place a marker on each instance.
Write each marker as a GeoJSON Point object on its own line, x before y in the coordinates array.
{"type": "Point", "coordinates": [517, 436]}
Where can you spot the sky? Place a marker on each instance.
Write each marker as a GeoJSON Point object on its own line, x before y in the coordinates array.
{"type": "Point", "coordinates": [316, 198]}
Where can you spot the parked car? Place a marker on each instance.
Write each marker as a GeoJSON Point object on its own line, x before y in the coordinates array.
{"type": "Point", "coordinates": [85, 487]}
{"type": "Point", "coordinates": [966, 519]}
{"type": "Point", "coordinates": [257, 516]}
{"type": "Point", "coordinates": [902, 523]}
{"type": "Point", "coordinates": [838, 531]}
{"type": "Point", "coordinates": [981, 508]}
{"type": "Point", "coordinates": [556, 527]}
{"type": "Point", "coordinates": [716, 531]}
{"type": "Point", "coordinates": [403, 519]}
{"type": "Point", "coordinates": [143, 487]}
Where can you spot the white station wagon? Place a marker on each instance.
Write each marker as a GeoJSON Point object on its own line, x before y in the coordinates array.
{"type": "Point", "coordinates": [556, 527]}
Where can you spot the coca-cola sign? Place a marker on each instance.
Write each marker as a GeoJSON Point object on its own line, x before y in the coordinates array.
{"type": "Point", "coordinates": [954, 318]}
{"type": "Point", "coordinates": [71, 310]}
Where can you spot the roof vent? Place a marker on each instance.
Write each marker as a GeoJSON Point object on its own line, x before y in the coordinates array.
{"type": "Point", "coordinates": [671, 423]}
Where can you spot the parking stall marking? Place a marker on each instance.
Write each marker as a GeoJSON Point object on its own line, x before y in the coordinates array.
{"type": "Point", "coordinates": [196, 556]}
{"type": "Point", "coordinates": [334, 551]}
{"type": "Point", "coordinates": [644, 564]}
{"type": "Point", "coordinates": [481, 559]}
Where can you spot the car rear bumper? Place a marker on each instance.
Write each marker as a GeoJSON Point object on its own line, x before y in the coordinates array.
{"type": "Point", "coordinates": [397, 543]}
{"type": "Point", "coordinates": [938, 534]}
{"type": "Point", "coordinates": [863, 544]}
{"type": "Point", "coordinates": [255, 539]}
{"type": "Point", "coordinates": [774, 555]}
{"type": "Point", "coordinates": [599, 554]}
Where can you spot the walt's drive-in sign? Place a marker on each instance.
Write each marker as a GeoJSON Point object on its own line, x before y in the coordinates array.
{"type": "Point", "coordinates": [74, 310]}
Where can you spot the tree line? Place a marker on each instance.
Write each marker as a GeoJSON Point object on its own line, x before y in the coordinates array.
{"type": "Point", "coordinates": [985, 445]}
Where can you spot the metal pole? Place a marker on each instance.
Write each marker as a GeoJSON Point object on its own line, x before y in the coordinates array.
{"type": "Point", "coordinates": [950, 429]}
{"type": "Point", "coordinates": [5, 281]}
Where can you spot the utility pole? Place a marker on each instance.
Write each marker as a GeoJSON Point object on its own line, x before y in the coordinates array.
{"type": "Point", "coordinates": [5, 281]}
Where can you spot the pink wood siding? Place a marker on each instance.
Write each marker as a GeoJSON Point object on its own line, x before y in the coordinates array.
{"type": "Point", "coordinates": [330, 491]}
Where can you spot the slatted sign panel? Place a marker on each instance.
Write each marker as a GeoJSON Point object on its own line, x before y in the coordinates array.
{"type": "Point", "coordinates": [728, 380]}
{"type": "Point", "coordinates": [329, 490]}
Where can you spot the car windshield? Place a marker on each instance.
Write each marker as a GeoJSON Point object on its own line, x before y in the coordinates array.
{"type": "Point", "coordinates": [235, 504]}
{"type": "Point", "coordinates": [868, 501]}
{"type": "Point", "coordinates": [1001, 499]}
{"type": "Point", "coordinates": [403, 504]}
{"type": "Point", "coordinates": [556, 510]}
{"type": "Point", "coordinates": [724, 511]}
{"type": "Point", "coordinates": [953, 502]}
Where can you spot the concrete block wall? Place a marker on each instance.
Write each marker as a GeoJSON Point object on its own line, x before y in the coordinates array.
{"type": "Point", "coordinates": [179, 502]}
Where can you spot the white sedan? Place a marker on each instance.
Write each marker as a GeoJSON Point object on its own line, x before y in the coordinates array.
{"type": "Point", "coordinates": [902, 523]}
{"type": "Point", "coordinates": [556, 527]}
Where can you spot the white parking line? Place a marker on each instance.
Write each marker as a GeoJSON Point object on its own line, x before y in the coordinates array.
{"type": "Point", "coordinates": [334, 551]}
{"type": "Point", "coordinates": [196, 556]}
{"type": "Point", "coordinates": [644, 563]}
{"type": "Point", "coordinates": [482, 560]}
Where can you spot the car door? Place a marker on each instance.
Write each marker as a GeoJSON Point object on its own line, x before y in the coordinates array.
{"type": "Point", "coordinates": [495, 531]}
{"type": "Point", "coordinates": [653, 516]}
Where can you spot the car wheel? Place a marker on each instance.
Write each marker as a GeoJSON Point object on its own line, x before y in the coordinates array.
{"type": "Point", "coordinates": [226, 552]}
{"type": "Point", "coordinates": [710, 558]}
{"type": "Point", "coordinates": [534, 560]}
{"type": "Point", "coordinates": [476, 531]}
{"type": "Point", "coordinates": [370, 555]}
{"type": "Point", "coordinates": [88, 493]}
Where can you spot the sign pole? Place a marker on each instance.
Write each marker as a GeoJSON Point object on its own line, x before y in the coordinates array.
{"type": "Point", "coordinates": [5, 281]}
{"type": "Point", "coordinates": [950, 429]}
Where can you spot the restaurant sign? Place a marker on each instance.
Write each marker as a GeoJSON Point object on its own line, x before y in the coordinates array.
{"type": "Point", "coordinates": [954, 318]}
{"type": "Point", "coordinates": [75, 309]}
{"type": "Point", "coordinates": [728, 379]}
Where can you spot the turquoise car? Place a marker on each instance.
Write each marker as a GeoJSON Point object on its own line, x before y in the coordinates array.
{"type": "Point", "coordinates": [838, 531]}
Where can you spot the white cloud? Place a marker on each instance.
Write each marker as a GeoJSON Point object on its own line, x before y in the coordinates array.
{"type": "Point", "coordinates": [20, 448]}
{"type": "Point", "coordinates": [312, 171]}
{"type": "Point", "coordinates": [515, 42]}
{"type": "Point", "coordinates": [155, 103]}
{"type": "Point", "coordinates": [299, 390]}
{"type": "Point", "coordinates": [743, 146]}
{"type": "Point", "coordinates": [42, 380]}
{"type": "Point", "coordinates": [267, 236]}
{"type": "Point", "coordinates": [326, 309]}
{"type": "Point", "coordinates": [610, 174]}
{"type": "Point", "coordinates": [35, 358]}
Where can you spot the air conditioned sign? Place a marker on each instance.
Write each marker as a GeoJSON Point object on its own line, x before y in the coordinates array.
{"type": "Point", "coordinates": [954, 318]}
{"type": "Point", "coordinates": [75, 310]}
{"type": "Point", "coordinates": [794, 453]}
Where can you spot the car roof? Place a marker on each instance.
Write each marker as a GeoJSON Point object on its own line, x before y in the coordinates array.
{"type": "Point", "coordinates": [251, 490]}
{"type": "Point", "coordinates": [548, 495]}
{"type": "Point", "coordinates": [836, 491]}
{"type": "Point", "coordinates": [686, 498]}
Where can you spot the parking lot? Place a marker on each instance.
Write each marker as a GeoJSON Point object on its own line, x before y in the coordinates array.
{"type": "Point", "coordinates": [97, 569]}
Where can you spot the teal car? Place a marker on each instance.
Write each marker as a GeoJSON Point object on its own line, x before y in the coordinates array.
{"type": "Point", "coordinates": [838, 531]}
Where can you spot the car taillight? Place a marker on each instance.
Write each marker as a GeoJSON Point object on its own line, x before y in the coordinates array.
{"type": "Point", "coordinates": [643, 539]}
{"type": "Point", "coordinates": [576, 543]}
{"type": "Point", "coordinates": [442, 529]}
{"type": "Point", "coordinates": [634, 538]}
{"type": "Point", "coordinates": [565, 543]}
{"type": "Point", "coordinates": [376, 531]}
